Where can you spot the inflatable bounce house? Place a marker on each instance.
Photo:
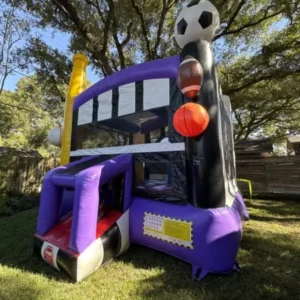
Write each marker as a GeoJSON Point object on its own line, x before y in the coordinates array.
{"type": "Point", "coordinates": [147, 157]}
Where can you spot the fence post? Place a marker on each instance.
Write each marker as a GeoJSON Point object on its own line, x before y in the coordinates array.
{"type": "Point", "coordinates": [266, 174]}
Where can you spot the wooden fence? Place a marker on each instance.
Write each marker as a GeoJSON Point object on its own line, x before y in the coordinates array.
{"type": "Point", "coordinates": [23, 175]}
{"type": "Point", "coordinates": [271, 176]}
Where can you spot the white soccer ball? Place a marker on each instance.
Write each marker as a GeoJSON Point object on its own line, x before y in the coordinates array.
{"type": "Point", "coordinates": [199, 20]}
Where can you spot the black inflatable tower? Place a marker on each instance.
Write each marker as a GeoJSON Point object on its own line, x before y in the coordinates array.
{"type": "Point", "coordinates": [210, 159]}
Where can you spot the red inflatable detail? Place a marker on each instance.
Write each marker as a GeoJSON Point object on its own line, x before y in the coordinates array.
{"type": "Point", "coordinates": [107, 221]}
{"type": "Point", "coordinates": [48, 255]}
{"type": "Point", "coordinates": [59, 235]}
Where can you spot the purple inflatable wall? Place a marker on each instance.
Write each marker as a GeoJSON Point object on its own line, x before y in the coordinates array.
{"type": "Point", "coordinates": [216, 233]}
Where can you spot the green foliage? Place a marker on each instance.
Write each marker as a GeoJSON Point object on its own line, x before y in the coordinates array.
{"type": "Point", "coordinates": [256, 50]}
{"type": "Point", "coordinates": [51, 68]}
{"type": "Point", "coordinates": [96, 138]}
{"type": "Point", "coordinates": [268, 108]}
{"type": "Point", "coordinates": [27, 115]}
{"type": "Point", "coordinates": [10, 205]}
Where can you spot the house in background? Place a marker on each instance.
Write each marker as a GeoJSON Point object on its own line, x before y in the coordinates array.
{"type": "Point", "coordinates": [251, 149]}
{"type": "Point", "coordinates": [293, 144]}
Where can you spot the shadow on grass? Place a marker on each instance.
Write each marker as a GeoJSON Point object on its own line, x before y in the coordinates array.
{"type": "Point", "coordinates": [271, 211]}
{"type": "Point", "coordinates": [270, 263]}
{"type": "Point", "coordinates": [16, 246]}
{"type": "Point", "coordinates": [270, 270]}
{"type": "Point", "coordinates": [269, 260]}
{"type": "Point", "coordinates": [274, 219]}
{"type": "Point", "coordinates": [286, 208]}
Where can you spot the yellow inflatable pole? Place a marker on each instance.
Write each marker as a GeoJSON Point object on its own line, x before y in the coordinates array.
{"type": "Point", "coordinates": [249, 182]}
{"type": "Point", "coordinates": [76, 86]}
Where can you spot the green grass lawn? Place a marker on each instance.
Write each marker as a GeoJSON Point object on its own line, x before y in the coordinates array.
{"type": "Point", "coordinates": [269, 257]}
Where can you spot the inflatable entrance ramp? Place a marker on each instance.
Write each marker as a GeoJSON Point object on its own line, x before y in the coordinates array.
{"type": "Point", "coordinates": [83, 221]}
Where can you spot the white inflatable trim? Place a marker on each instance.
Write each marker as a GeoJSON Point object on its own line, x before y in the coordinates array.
{"type": "Point", "coordinates": [143, 148]}
{"type": "Point", "coordinates": [55, 136]}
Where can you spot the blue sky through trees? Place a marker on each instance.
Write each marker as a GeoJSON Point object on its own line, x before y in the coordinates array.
{"type": "Point", "coordinates": [59, 40]}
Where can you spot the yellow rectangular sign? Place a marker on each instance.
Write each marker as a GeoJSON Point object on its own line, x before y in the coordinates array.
{"type": "Point", "coordinates": [171, 230]}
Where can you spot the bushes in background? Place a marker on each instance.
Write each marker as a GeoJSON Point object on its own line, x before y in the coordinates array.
{"type": "Point", "coordinates": [10, 205]}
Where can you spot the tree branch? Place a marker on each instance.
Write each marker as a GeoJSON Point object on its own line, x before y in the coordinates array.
{"type": "Point", "coordinates": [20, 108]}
{"type": "Point", "coordinates": [128, 34]}
{"type": "Point", "coordinates": [6, 46]}
{"type": "Point", "coordinates": [67, 9]}
{"type": "Point", "coordinates": [107, 23]}
{"type": "Point", "coordinates": [160, 28]}
{"type": "Point", "coordinates": [119, 46]}
{"type": "Point", "coordinates": [97, 6]}
{"type": "Point", "coordinates": [52, 77]}
{"type": "Point", "coordinates": [167, 5]}
{"type": "Point", "coordinates": [254, 23]}
{"type": "Point", "coordinates": [264, 18]}
{"type": "Point", "coordinates": [233, 17]}
{"type": "Point", "coordinates": [5, 75]}
{"type": "Point", "coordinates": [144, 28]}
{"type": "Point", "coordinates": [6, 33]}
{"type": "Point", "coordinates": [237, 118]}
{"type": "Point", "coordinates": [255, 123]}
{"type": "Point", "coordinates": [114, 63]}
{"type": "Point", "coordinates": [70, 12]}
{"type": "Point", "coordinates": [256, 79]}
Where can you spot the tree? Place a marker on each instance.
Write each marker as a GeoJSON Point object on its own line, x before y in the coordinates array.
{"type": "Point", "coordinates": [12, 31]}
{"type": "Point", "coordinates": [258, 64]}
{"type": "Point", "coordinates": [27, 117]}
{"type": "Point", "coordinates": [51, 67]}
{"type": "Point", "coordinates": [264, 87]}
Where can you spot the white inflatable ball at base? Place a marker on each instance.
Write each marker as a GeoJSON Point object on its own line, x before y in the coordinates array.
{"type": "Point", "coordinates": [55, 136]}
{"type": "Point", "coordinates": [199, 20]}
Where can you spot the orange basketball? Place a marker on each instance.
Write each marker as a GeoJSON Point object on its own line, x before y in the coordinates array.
{"type": "Point", "coordinates": [191, 119]}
